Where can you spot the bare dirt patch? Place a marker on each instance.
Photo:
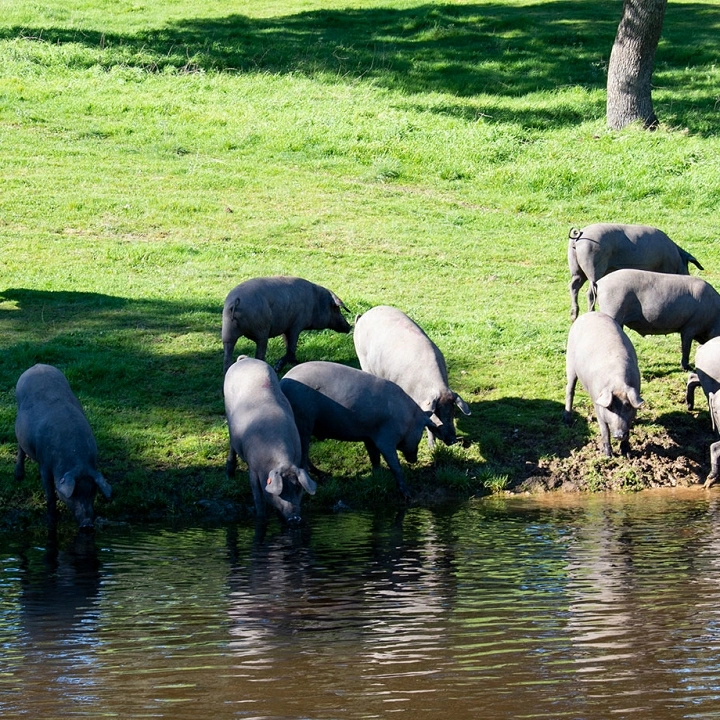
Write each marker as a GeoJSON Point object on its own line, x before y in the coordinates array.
{"type": "Point", "coordinates": [674, 454]}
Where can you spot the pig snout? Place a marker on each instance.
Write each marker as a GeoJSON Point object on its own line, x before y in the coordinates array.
{"type": "Point", "coordinates": [84, 516]}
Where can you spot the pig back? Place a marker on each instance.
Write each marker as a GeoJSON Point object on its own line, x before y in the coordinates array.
{"type": "Point", "coordinates": [391, 345]}
{"type": "Point", "coordinates": [257, 410]}
{"type": "Point", "coordinates": [602, 248]}
{"type": "Point", "coordinates": [345, 403]}
{"type": "Point", "coordinates": [654, 302]}
{"type": "Point", "coordinates": [50, 420]}
{"type": "Point", "coordinates": [601, 354]}
{"type": "Point", "coordinates": [266, 305]}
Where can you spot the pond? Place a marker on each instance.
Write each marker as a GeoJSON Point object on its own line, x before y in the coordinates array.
{"type": "Point", "coordinates": [551, 607]}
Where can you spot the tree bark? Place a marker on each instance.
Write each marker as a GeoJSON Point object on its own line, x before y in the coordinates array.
{"type": "Point", "coordinates": [631, 65]}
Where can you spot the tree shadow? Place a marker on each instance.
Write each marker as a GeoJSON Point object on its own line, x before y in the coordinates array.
{"type": "Point", "coordinates": [464, 50]}
{"type": "Point", "coordinates": [142, 369]}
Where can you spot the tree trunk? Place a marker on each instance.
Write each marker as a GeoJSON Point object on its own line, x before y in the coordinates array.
{"type": "Point", "coordinates": [631, 64]}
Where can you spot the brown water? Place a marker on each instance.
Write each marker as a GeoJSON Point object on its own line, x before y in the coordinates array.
{"type": "Point", "coordinates": [519, 608]}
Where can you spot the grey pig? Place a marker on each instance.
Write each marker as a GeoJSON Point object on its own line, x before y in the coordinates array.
{"type": "Point", "coordinates": [707, 375]}
{"type": "Point", "coordinates": [392, 346]}
{"type": "Point", "coordinates": [658, 304]}
{"type": "Point", "coordinates": [335, 401]}
{"type": "Point", "coordinates": [51, 428]}
{"type": "Point", "coordinates": [263, 433]}
{"type": "Point", "coordinates": [599, 249]}
{"type": "Point", "coordinates": [601, 356]}
{"type": "Point", "coordinates": [266, 307]}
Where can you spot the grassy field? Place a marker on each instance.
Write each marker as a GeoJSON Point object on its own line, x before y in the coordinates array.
{"type": "Point", "coordinates": [431, 156]}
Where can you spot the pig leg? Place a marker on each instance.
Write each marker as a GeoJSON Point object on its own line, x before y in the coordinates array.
{"type": "Point", "coordinates": [577, 280]}
{"type": "Point", "coordinates": [575, 284]}
{"type": "Point", "coordinates": [693, 382]}
{"type": "Point", "coordinates": [228, 348]}
{"type": "Point", "coordinates": [257, 491]}
{"type": "Point", "coordinates": [569, 396]}
{"type": "Point", "coordinates": [686, 339]}
{"type": "Point", "coordinates": [391, 458]}
{"type": "Point", "coordinates": [605, 437]}
{"type": "Point", "coordinates": [592, 278]}
{"type": "Point", "coordinates": [374, 454]}
{"type": "Point", "coordinates": [714, 455]}
{"type": "Point", "coordinates": [231, 462]}
{"type": "Point", "coordinates": [20, 464]}
{"type": "Point", "coordinates": [261, 344]}
{"type": "Point", "coordinates": [625, 447]}
{"type": "Point", "coordinates": [291, 341]}
{"type": "Point", "coordinates": [48, 482]}
{"type": "Point", "coordinates": [430, 439]}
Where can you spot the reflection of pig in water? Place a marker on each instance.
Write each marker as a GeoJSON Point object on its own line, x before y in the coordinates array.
{"type": "Point", "coordinates": [370, 586]}
{"type": "Point", "coordinates": [57, 637]}
{"type": "Point", "coordinates": [58, 592]}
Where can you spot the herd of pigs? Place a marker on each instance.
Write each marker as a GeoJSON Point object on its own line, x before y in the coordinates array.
{"type": "Point", "coordinates": [637, 275]}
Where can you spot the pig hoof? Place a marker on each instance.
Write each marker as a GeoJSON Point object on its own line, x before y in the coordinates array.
{"type": "Point", "coordinates": [711, 479]}
{"type": "Point", "coordinates": [567, 417]}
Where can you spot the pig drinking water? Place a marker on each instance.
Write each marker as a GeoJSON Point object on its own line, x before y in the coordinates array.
{"type": "Point", "coordinates": [335, 401]}
{"type": "Point", "coordinates": [392, 346]}
{"type": "Point", "coordinates": [51, 428]}
{"type": "Point", "coordinates": [266, 307]}
{"type": "Point", "coordinates": [263, 433]}
{"type": "Point", "coordinates": [599, 249]}
{"type": "Point", "coordinates": [659, 304]}
{"type": "Point", "coordinates": [601, 356]}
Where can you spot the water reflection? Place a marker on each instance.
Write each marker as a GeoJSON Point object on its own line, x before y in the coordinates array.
{"type": "Point", "coordinates": [583, 608]}
{"type": "Point", "coordinates": [55, 621]}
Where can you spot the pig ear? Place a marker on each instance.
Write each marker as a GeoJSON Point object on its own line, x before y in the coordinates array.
{"type": "Point", "coordinates": [429, 423]}
{"type": "Point", "coordinates": [339, 302]}
{"type": "Point", "coordinates": [306, 482]}
{"type": "Point", "coordinates": [604, 399]}
{"type": "Point", "coordinates": [634, 399]}
{"type": "Point", "coordinates": [274, 484]}
{"type": "Point", "coordinates": [461, 404]}
{"type": "Point", "coordinates": [103, 484]}
{"type": "Point", "coordinates": [66, 485]}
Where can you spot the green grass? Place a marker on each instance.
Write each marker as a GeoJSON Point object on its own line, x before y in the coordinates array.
{"type": "Point", "coordinates": [432, 156]}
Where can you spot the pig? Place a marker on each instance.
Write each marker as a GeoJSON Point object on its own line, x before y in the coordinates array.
{"type": "Point", "coordinates": [51, 428]}
{"type": "Point", "coordinates": [602, 357]}
{"type": "Point", "coordinates": [707, 375]}
{"type": "Point", "coordinates": [659, 304]}
{"type": "Point", "coordinates": [335, 401]}
{"type": "Point", "coordinates": [263, 433]}
{"type": "Point", "coordinates": [599, 249]}
{"type": "Point", "coordinates": [266, 307]}
{"type": "Point", "coordinates": [392, 346]}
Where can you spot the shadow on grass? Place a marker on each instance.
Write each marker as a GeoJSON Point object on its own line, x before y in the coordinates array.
{"type": "Point", "coordinates": [464, 50]}
{"type": "Point", "coordinates": [148, 372]}
{"type": "Point", "coordinates": [514, 434]}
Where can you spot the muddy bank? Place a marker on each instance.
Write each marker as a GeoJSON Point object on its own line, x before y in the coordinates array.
{"type": "Point", "coordinates": [675, 454]}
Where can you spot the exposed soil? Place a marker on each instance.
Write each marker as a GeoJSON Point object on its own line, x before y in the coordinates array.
{"type": "Point", "coordinates": [675, 454]}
